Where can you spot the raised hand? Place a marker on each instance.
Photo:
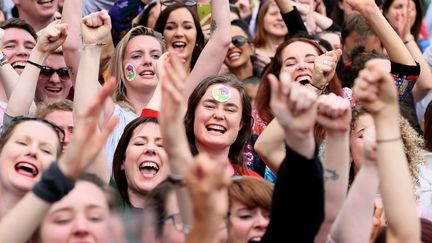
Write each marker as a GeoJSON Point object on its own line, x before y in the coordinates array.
{"type": "Point", "coordinates": [52, 37]}
{"type": "Point", "coordinates": [87, 141]}
{"type": "Point", "coordinates": [173, 76]}
{"type": "Point", "coordinates": [375, 88]}
{"type": "Point", "coordinates": [324, 68]}
{"type": "Point", "coordinates": [207, 182]}
{"type": "Point", "coordinates": [334, 113]}
{"type": "Point", "coordinates": [95, 27]}
{"type": "Point", "coordinates": [293, 105]}
{"type": "Point", "coordinates": [361, 5]}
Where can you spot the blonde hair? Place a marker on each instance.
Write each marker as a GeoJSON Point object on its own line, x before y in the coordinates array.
{"type": "Point", "coordinates": [116, 62]}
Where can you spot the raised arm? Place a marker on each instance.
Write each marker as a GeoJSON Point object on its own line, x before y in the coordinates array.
{"type": "Point", "coordinates": [375, 90]}
{"type": "Point", "coordinates": [424, 81]}
{"type": "Point", "coordinates": [86, 144]}
{"type": "Point", "coordinates": [175, 142]}
{"type": "Point", "coordinates": [334, 115]}
{"type": "Point", "coordinates": [300, 175]}
{"type": "Point", "coordinates": [354, 221]}
{"type": "Point", "coordinates": [95, 27]}
{"type": "Point", "coordinates": [389, 38]}
{"type": "Point", "coordinates": [72, 15]}
{"type": "Point", "coordinates": [270, 145]}
{"type": "Point", "coordinates": [207, 183]}
{"type": "Point", "coordinates": [23, 93]}
{"type": "Point", "coordinates": [216, 48]}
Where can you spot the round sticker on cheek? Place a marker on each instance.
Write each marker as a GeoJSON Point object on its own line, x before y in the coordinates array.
{"type": "Point", "coordinates": [221, 93]}
{"type": "Point", "coordinates": [130, 72]}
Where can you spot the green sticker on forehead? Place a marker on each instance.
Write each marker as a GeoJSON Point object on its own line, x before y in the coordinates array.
{"type": "Point", "coordinates": [221, 93]}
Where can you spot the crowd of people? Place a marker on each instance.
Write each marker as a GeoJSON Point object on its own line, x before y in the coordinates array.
{"type": "Point", "coordinates": [219, 121]}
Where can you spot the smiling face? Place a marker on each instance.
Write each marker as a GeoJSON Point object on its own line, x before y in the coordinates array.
{"type": "Point", "coordinates": [217, 124]}
{"type": "Point", "coordinates": [273, 22]}
{"type": "Point", "coordinates": [78, 217]}
{"type": "Point", "coordinates": [17, 45]}
{"type": "Point", "coordinates": [142, 52]}
{"type": "Point", "coordinates": [38, 9]}
{"type": "Point", "coordinates": [145, 163]}
{"type": "Point", "coordinates": [298, 60]}
{"type": "Point", "coordinates": [30, 149]}
{"type": "Point", "coordinates": [247, 224]}
{"type": "Point", "coordinates": [55, 87]}
{"type": "Point", "coordinates": [238, 56]}
{"type": "Point", "coordinates": [180, 33]}
{"type": "Point", "coordinates": [363, 122]}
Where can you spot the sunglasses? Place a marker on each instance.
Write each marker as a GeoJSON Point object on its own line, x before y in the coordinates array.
{"type": "Point", "coordinates": [187, 3]}
{"type": "Point", "coordinates": [47, 72]}
{"type": "Point", "coordinates": [177, 221]}
{"type": "Point", "coordinates": [60, 132]}
{"type": "Point", "coordinates": [239, 41]}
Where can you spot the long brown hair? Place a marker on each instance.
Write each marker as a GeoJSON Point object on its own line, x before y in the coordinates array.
{"type": "Point", "coordinates": [262, 101]}
{"type": "Point", "coordinates": [235, 154]}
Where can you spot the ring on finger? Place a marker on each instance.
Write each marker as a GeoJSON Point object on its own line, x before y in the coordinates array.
{"type": "Point", "coordinates": [325, 62]}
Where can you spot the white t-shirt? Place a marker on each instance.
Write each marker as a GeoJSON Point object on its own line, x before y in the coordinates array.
{"type": "Point", "coordinates": [125, 116]}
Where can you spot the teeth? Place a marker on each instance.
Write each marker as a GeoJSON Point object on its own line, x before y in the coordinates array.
{"type": "Point", "coordinates": [216, 128]}
{"type": "Point", "coordinates": [56, 90]}
{"type": "Point", "coordinates": [147, 73]}
{"type": "Point", "coordinates": [19, 64]}
{"type": "Point", "coordinates": [149, 165]}
{"type": "Point", "coordinates": [27, 168]}
{"type": "Point", "coordinates": [178, 44]}
{"type": "Point", "coordinates": [233, 55]}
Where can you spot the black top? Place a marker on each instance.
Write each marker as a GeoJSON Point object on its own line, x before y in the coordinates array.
{"type": "Point", "coordinates": [298, 200]}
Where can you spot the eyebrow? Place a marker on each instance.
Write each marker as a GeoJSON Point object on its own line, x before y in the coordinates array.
{"type": "Point", "coordinates": [360, 131]}
{"type": "Point", "coordinates": [215, 102]}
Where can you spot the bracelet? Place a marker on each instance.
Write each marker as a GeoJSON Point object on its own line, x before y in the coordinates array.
{"type": "Point", "coordinates": [34, 64]}
{"type": "Point", "coordinates": [388, 140]}
{"type": "Point", "coordinates": [53, 185]}
{"type": "Point", "coordinates": [176, 179]}
{"type": "Point", "coordinates": [93, 45]}
{"type": "Point", "coordinates": [3, 60]}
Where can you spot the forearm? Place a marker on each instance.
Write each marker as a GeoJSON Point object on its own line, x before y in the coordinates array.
{"type": "Point", "coordinates": [285, 6]}
{"type": "Point", "coordinates": [354, 221]}
{"type": "Point", "coordinates": [299, 178]}
{"type": "Point", "coordinates": [100, 167]}
{"type": "Point", "coordinates": [270, 145]}
{"type": "Point", "coordinates": [32, 209]}
{"type": "Point", "coordinates": [322, 21]}
{"type": "Point", "coordinates": [23, 93]}
{"type": "Point", "coordinates": [424, 81]}
{"type": "Point", "coordinates": [216, 48]}
{"type": "Point", "coordinates": [9, 78]}
{"type": "Point", "coordinates": [399, 204]}
{"type": "Point", "coordinates": [87, 85]}
{"type": "Point", "coordinates": [204, 231]}
{"type": "Point", "coordinates": [336, 170]}
{"type": "Point", "coordinates": [72, 10]}
{"type": "Point", "coordinates": [388, 36]}
{"type": "Point", "coordinates": [302, 143]}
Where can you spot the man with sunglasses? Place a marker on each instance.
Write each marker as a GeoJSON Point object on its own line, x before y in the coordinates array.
{"type": "Point", "coordinates": [54, 81]}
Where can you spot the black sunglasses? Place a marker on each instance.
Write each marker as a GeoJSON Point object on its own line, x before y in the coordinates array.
{"type": "Point", "coordinates": [187, 3]}
{"type": "Point", "coordinates": [47, 72]}
{"type": "Point", "coordinates": [60, 132]}
{"type": "Point", "coordinates": [239, 40]}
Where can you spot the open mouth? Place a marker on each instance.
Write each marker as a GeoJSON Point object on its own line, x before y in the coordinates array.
{"type": "Point", "coordinates": [179, 45]}
{"type": "Point", "coordinates": [54, 89]}
{"type": "Point", "coordinates": [216, 128]}
{"type": "Point", "coordinates": [26, 169]}
{"type": "Point", "coordinates": [147, 74]}
{"type": "Point", "coordinates": [233, 56]}
{"type": "Point", "coordinates": [149, 169]}
{"type": "Point", "coordinates": [18, 65]}
{"type": "Point", "coordinates": [43, 2]}
{"type": "Point", "coordinates": [303, 79]}
{"type": "Point", "coordinates": [254, 240]}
